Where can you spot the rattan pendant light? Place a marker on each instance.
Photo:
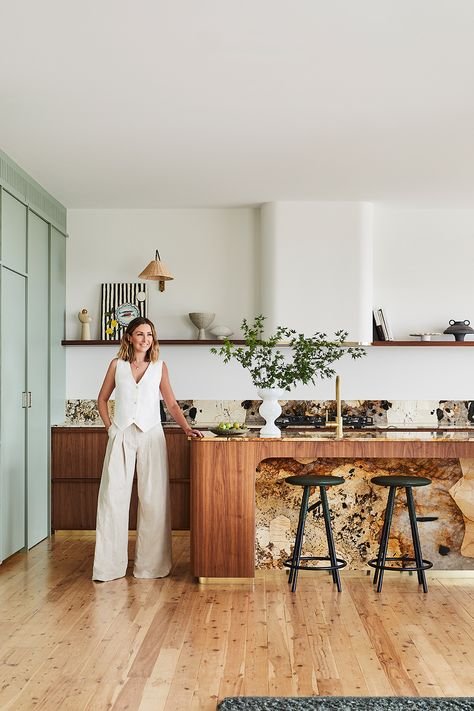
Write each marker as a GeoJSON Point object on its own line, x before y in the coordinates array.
{"type": "Point", "coordinates": [157, 271]}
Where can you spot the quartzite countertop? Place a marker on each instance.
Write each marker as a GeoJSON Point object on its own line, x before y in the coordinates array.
{"type": "Point", "coordinates": [223, 482]}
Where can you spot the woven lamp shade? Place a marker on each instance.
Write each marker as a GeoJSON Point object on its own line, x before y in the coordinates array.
{"type": "Point", "coordinates": [157, 271]}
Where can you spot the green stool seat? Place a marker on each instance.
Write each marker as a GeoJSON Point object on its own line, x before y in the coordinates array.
{"type": "Point", "coordinates": [314, 480]}
{"type": "Point", "coordinates": [400, 480]}
{"type": "Point", "coordinates": [394, 482]}
{"type": "Point", "coordinates": [300, 562]}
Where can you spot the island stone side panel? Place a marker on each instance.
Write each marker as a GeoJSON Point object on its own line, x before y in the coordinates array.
{"type": "Point", "coordinates": [357, 508]}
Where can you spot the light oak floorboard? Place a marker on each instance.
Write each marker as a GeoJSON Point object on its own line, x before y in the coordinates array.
{"type": "Point", "coordinates": [173, 645]}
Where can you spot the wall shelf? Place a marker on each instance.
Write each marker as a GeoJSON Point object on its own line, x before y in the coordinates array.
{"type": "Point", "coordinates": [449, 344]}
{"type": "Point", "coordinates": [191, 342]}
{"type": "Point", "coordinates": [162, 342]}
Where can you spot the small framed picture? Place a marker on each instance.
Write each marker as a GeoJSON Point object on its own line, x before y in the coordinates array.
{"type": "Point", "coordinates": [120, 303]}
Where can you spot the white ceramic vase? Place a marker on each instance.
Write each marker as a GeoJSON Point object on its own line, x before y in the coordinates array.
{"type": "Point", "coordinates": [269, 410]}
{"type": "Point", "coordinates": [202, 320]}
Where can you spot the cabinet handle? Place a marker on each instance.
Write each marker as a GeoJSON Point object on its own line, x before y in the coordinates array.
{"type": "Point", "coordinates": [24, 402]}
{"type": "Point", "coordinates": [29, 399]}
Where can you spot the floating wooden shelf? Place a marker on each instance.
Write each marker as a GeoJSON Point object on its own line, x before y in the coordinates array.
{"type": "Point", "coordinates": [449, 344]}
{"type": "Point", "coordinates": [182, 342]}
{"type": "Point", "coordinates": [190, 342]}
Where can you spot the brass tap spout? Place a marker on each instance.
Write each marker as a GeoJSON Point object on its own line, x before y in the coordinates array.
{"type": "Point", "coordinates": [339, 430]}
{"type": "Point", "coordinates": [337, 423]}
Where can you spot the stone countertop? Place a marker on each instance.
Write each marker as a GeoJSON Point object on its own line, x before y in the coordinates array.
{"type": "Point", "coordinates": [373, 435]}
{"type": "Point", "coordinates": [166, 425]}
{"type": "Point", "coordinates": [324, 431]}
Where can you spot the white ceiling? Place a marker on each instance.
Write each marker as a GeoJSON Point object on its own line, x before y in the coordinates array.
{"type": "Point", "coordinates": [183, 103]}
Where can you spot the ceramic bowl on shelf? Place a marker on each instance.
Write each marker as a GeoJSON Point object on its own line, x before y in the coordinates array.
{"type": "Point", "coordinates": [221, 332]}
{"type": "Point", "coordinates": [425, 336]}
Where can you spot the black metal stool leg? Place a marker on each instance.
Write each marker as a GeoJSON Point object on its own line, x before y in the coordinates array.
{"type": "Point", "coordinates": [384, 542]}
{"type": "Point", "coordinates": [330, 539]}
{"type": "Point", "coordinates": [412, 518]}
{"type": "Point", "coordinates": [416, 539]}
{"type": "Point", "coordinates": [299, 538]}
{"type": "Point", "coordinates": [382, 538]}
{"type": "Point", "coordinates": [302, 516]}
{"type": "Point", "coordinates": [327, 524]}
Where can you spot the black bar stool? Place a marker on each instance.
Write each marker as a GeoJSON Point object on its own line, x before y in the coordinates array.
{"type": "Point", "coordinates": [293, 563]}
{"type": "Point", "coordinates": [379, 563]}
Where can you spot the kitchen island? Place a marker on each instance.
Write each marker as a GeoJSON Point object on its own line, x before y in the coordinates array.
{"type": "Point", "coordinates": [223, 482]}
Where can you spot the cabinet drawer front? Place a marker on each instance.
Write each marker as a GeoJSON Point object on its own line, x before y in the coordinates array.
{"type": "Point", "coordinates": [77, 453]}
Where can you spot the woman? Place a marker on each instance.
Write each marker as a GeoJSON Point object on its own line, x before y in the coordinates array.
{"type": "Point", "coordinates": [136, 437]}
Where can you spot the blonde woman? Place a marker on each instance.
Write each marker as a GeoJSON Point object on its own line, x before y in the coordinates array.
{"type": "Point", "coordinates": [136, 438]}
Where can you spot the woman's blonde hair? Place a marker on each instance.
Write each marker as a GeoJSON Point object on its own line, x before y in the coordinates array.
{"type": "Point", "coordinates": [126, 348]}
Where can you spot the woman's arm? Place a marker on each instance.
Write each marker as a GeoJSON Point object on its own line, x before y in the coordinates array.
{"type": "Point", "coordinates": [105, 392]}
{"type": "Point", "coordinates": [173, 407]}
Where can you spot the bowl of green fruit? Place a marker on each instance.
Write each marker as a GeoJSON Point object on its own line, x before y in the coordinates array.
{"type": "Point", "coordinates": [229, 429]}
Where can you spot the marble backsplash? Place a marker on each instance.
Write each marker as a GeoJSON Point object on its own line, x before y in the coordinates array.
{"type": "Point", "coordinates": [385, 413]}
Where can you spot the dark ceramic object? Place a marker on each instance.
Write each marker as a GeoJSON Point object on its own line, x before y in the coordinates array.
{"type": "Point", "coordinates": [459, 329]}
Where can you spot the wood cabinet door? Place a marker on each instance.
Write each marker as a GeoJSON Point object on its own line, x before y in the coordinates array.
{"type": "Point", "coordinates": [77, 457]}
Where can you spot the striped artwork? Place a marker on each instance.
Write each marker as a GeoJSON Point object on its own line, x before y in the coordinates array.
{"type": "Point", "coordinates": [120, 303]}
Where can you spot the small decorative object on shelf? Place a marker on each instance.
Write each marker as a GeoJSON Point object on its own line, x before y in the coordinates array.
{"type": "Point", "coordinates": [221, 332]}
{"type": "Point", "coordinates": [274, 371]}
{"type": "Point", "coordinates": [201, 320]}
{"type": "Point", "coordinates": [425, 336]}
{"type": "Point", "coordinates": [85, 320]}
{"type": "Point", "coordinates": [459, 329]}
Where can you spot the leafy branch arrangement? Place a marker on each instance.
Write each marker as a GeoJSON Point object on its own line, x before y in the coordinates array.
{"type": "Point", "coordinates": [269, 368]}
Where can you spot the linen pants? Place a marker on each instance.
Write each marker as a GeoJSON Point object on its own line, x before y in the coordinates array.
{"type": "Point", "coordinates": [153, 544]}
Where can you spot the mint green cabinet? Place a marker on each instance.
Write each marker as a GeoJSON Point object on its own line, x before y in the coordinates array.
{"type": "Point", "coordinates": [57, 328]}
{"type": "Point", "coordinates": [12, 412]}
{"type": "Point", "coordinates": [37, 455]}
{"type": "Point", "coordinates": [14, 216]}
{"type": "Point", "coordinates": [32, 303]}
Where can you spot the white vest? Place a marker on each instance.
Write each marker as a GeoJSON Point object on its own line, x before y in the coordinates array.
{"type": "Point", "coordinates": [137, 403]}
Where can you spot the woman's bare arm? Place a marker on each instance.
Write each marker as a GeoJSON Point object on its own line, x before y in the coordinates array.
{"type": "Point", "coordinates": [105, 392]}
{"type": "Point", "coordinates": [173, 407]}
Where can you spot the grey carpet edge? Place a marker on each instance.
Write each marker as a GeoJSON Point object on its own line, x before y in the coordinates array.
{"type": "Point", "coordinates": [346, 703]}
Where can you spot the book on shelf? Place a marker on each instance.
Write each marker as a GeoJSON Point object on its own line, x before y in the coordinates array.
{"type": "Point", "coordinates": [381, 325]}
{"type": "Point", "coordinates": [385, 325]}
{"type": "Point", "coordinates": [377, 331]}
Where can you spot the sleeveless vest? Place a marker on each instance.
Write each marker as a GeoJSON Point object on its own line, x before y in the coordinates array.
{"type": "Point", "coordinates": [137, 403]}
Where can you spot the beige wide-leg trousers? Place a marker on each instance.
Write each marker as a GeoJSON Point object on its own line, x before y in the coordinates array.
{"type": "Point", "coordinates": [153, 545]}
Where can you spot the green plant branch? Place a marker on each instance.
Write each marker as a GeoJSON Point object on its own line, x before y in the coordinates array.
{"type": "Point", "coordinates": [307, 358]}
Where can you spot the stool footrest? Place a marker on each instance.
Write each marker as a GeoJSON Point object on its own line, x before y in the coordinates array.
{"type": "Point", "coordinates": [340, 563]}
{"type": "Point", "coordinates": [426, 565]}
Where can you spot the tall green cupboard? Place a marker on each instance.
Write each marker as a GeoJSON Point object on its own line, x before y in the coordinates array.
{"type": "Point", "coordinates": [32, 305]}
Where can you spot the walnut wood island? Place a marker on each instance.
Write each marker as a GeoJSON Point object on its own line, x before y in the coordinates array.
{"type": "Point", "coordinates": [223, 484]}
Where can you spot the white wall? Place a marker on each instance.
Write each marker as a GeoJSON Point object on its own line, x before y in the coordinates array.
{"type": "Point", "coordinates": [317, 267]}
{"type": "Point", "coordinates": [423, 268]}
{"type": "Point", "coordinates": [211, 254]}
{"type": "Point", "coordinates": [421, 276]}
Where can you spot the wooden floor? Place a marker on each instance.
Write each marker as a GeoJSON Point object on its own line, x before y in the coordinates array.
{"type": "Point", "coordinates": [69, 644]}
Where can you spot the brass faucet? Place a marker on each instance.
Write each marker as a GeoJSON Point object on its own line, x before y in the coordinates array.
{"type": "Point", "coordinates": [337, 423]}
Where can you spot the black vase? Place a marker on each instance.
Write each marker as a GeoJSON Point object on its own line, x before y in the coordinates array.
{"type": "Point", "coordinates": [459, 329]}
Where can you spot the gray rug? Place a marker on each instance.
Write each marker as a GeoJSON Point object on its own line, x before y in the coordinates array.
{"type": "Point", "coordinates": [346, 703]}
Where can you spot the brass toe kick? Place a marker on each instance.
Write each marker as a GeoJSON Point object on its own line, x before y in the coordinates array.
{"type": "Point", "coordinates": [226, 581]}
